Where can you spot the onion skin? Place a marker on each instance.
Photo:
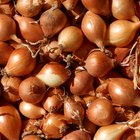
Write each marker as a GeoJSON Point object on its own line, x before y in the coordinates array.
{"type": "Point", "coordinates": [77, 135]}
{"type": "Point", "coordinates": [94, 28]}
{"type": "Point", "coordinates": [20, 62]}
{"type": "Point", "coordinates": [121, 32]}
{"type": "Point", "coordinates": [32, 90]}
{"type": "Point", "coordinates": [122, 92]}
{"type": "Point", "coordinates": [99, 7]}
{"type": "Point", "coordinates": [98, 64]}
{"type": "Point", "coordinates": [52, 21]}
{"type": "Point", "coordinates": [53, 74]}
{"type": "Point", "coordinates": [29, 31]}
{"type": "Point", "coordinates": [7, 27]}
{"type": "Point", "coordinates": [101, 112]}
{"type": "Point", "coordinates": [10, 122]}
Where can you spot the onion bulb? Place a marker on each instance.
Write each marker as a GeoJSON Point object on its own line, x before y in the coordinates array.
{"type": "Point", "coordinates": [70, 38]}
{"type": "Point", "coordinates": [101, 7]}
{"type": "Point", "coordinates": [94, 28]}
{"type": "Point", "coordinates": [20, 62]}
{"type": "Point", "coordinates": [53, 74]}
{"type": "Point", "coordinates": [124, 9]}
{"type": "Point", "coordinates": [121, 32]}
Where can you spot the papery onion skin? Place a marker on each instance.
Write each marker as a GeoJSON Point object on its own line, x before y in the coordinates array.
{"type": "Point", "coordinates": [101, 112]}
{"type": "Point", "coordinates": [98, 64]}
{"type": "Point", "coordinates": [70, 38]}
{"type": "Point", "coordinates": [121, 32]}
{"type": "Point", "coordinates": [52, 21]}
{"type": "Point", "coordinates": [10, 122]}
{"type": "Point", "coordinates": [32, 90]}
{"type": "Point", "coordinates": [20, 62]}
{"type": "Point", "coordinates": [29, 8]}
{"type": "Point", "coordinates": [30, 31]}
{"type": "Point", "coordinates": [53, 74]}
{"type": "Point", "coordinates": [7, 27]}
{"type": "Point", "coordinates": [94, 28]}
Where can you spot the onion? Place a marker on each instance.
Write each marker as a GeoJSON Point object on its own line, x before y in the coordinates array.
{"type": "Point", "coordinates": [30, 31]}
{"type": "Point", "coordinates": [82, 82]}
{"type": "Point", "coordinates": [53, 74]}
{"type": "Point", "coordinates": [110, 132]}
{"type": "Point", "coordinates": [98, 64]}
{"type": "Point", "coordinates": [69, 4]}
{"type": "Point", "coordinates": [120, 10]}
{"type": "Point", "coordinates": [31, 137]}
{"type": "Point", "coordinates": [20, 62]}
{"type": "Point", "coordinates": [121, 32]}
{"type": "Point", "coordinates": [70, 38]}
{"type": "Point", "coordinates": [52, 21]}
{"type": "Point", "coordinates": [10, 122]}
{"type": "Point", "coordinates": [29, 8]}
{"type": "Point", "coordinates": [7, 27]}
{"type": "Point", "coordinates": [101, 112]}
{"type": "Point", "coordinates": [31, 111]}
{"type": "Point", "coordinates": [10, 87]}
{"type": "Point", "coordinates": [89, 99]}
{"type": "Point", "coordinates": [94, 28]}
{"type": "Point", "coordinates": [54, 125]}
{"type": "Point", "coordinates": [122, 92]}
{"type": "Point", "coordinates": [4, 1]}
{"type": "Point", "coordinates": [32, 90]}
{"type": "Point", "coordinates": [101, 7]}
{"type": "Point", "coordinates": [77, 135]}
{"type": "Point", "coordinates": [5, 51]}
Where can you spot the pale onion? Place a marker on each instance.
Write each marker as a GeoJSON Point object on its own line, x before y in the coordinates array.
{"type": "Point", "coordinates": [101, 7]}
{"type": "Point", "coordinates": [121, 32]}
{"type": "Point", "coordinates": [53, 74]}
{"type": "Point", "coordinates": [94, 28]}
{"type": "Point", "coordinates": [70, 38]}
{"type": "Point", "coordinates": [124, 9]}
{"type": "Point", "coordinates": [31, 111]}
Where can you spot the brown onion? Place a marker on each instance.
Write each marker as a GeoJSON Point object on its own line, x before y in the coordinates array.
{"type": "Point", "coordinates": [101, 112]}
{"type": "Point", "coordinates": [30, 31]}
{"type": "Point", "coordinates": [70, 38]}
{"type": "Point", "coordinates": [121, 32]}
{"type": "Point", "coordinates": [124, 9]}
{"type": "Point", "coordinates": [20, 62]}
{"type": "Point", "coordinates": [31, 137]}
{"type": "Point", "coordinates": [32, 90]}
{"type": "Point", "coordinates": [122, 92]}
{"type": "Point", "coordinates": [5, 51]}
{"type": "Point", "coordinates": [29, 8]}
{"type": "Point", "coordinates": [10, 87]}
{"type": "Point", "coordinates": [69, 4]}
{"type": "Point", "coordinates": [82, 82]}
{"type": "Point", "coordinates": [52, 21]}
{"type": "Point", "coordinates": [10, 122]}
{"type": "Point", "coordinates": [31, 111]}
{"type": "Point", "coordinates": [77, 135]}
{"type": "Point", "coordinates": [53, 74]}
{"type": "Point", "coordinates": [98, 64]}
{"type": "Point", "coordinates": [54, 125]}
{"type": "Point", "coordinates": [94, 28]}
{"type": "Point", "coordinates": [101, 7]}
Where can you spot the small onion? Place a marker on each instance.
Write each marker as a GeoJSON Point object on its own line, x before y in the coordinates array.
{"type": "Point", "coordinates": [5, 51]}
{"type": "Point", "coordinates": [54, 125]}
{"type": "Point", "coordinates": [29, 8]}
{"type": "Point", "coordinates": [53, 74]}
{"type": "Point", "coordinates": [98, 64]}
{"type": "Point", "coordinates": [101, 112]}
{"type": "Point", "coordinates": [30, 31]}
{"type": "Point", "coordinates": [32, 90]}
{"type": "Point", "coordinates": [121, 32]}
{"type": "Point", "coordinates": [31, 111]}
{"type": "Point", "coordinates": [52, 21]}
{"type": "Point", "coordinates": [20, 62]}
{"type": "Point", "coordinates": [94, 28]}
{"type": "Point", "coordinates": [31, 137]}
{"type": "Point", "coordinates": [77, 135]}
{"type": "Point", "coordinates": [70, 38]}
